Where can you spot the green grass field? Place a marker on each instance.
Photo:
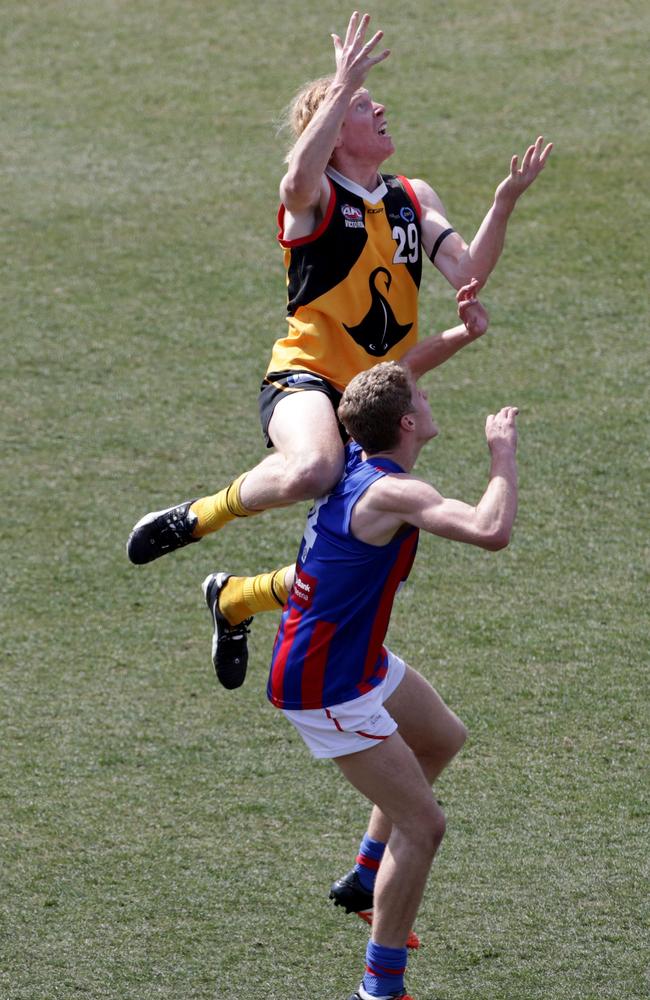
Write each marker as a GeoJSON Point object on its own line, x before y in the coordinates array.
{"type": "Point", "coordinates": [162, 837]}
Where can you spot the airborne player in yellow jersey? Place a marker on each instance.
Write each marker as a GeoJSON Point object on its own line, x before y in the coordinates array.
{"type": "Point", "coordinates": [353, 240]}
{"type": "Point", "coordinates": [353, 284]}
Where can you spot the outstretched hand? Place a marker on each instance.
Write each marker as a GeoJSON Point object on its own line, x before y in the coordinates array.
{"type": "Point", "coordinates": [470, 310]}
{"type": "Point", "coordinates": [354, 58]}
{"type": "Point", "coordinates": [501, 428]}
{"type": "Point", "coordinates": [521, 177]}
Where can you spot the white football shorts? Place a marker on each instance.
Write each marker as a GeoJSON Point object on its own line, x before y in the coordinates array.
{"type": "Point", "coordinates": [353, 725]}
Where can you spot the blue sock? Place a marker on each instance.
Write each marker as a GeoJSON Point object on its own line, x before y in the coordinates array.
{"type": "Point", "coordinates": [385, 968]}
{"type": "Point", "coordinates": [367, 862]}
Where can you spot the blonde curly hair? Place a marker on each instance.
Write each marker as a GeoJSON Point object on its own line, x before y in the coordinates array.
{"type": "Point", "coordinates": [303, 107]}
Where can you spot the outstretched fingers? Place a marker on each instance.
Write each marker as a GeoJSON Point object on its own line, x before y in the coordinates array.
{"type": "Point", "coordinates": [353, 27]}
{"type": "Point", "coordinates": [369, 46]}
{"type": "Point", "coordinates": [531, 153]}
{"type": "Point", "coordinates": [468, 293]}
{"type": "Point", "coordinates": [535, 156]}
{"type": "Point", "coordinates": [355, 50]}
{"type": "Point", "coordinates": [544, 155]}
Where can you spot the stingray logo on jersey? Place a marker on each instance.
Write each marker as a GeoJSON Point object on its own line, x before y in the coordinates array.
{"type": "Point", "coordinates": [406, 213]}
{"type": "Point", "coordinates": [379, 330]}
{"type": "Point", "coordinates": [353, 216]}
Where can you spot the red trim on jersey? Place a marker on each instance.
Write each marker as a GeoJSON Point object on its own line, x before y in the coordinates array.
{"type": "Point", "coordinates": [399, 572]}
{"type": "Point", "coordinates": [408, 187]}
{"type": "Point", "coordinates": [288, 637]}
{"type": "Point", "coordinates": [315, 663]}
{"type": "Point", "coordinates": [288, 244]}
{"type": "Point", "coordinates": [363, 687]}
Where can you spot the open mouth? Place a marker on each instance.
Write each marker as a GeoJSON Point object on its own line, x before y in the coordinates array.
{"type": "Point", "coordinates": [383, 130]}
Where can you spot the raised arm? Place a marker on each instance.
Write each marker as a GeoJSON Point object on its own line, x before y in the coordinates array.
{"type": "Point", "coordinates": [456, 259]}
{"type": "Point", "coordinates": [303, 183]}
{"type": "Point", "coordinates": [396, 500]}
{"type": "Point", "coordinates": [488, 524]}
{"type": "Point", "coordinates": [437, 348]}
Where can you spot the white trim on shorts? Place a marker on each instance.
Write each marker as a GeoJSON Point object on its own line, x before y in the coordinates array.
{"type": "Point", "coordinates": [353, 725]}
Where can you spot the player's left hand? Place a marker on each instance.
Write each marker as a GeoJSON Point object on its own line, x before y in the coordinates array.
{"type": "Point", "coordinates": [470, 311]}
{"type": "Point", "coordinates": [521, 177]}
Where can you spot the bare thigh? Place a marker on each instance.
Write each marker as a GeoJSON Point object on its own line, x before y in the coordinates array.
{"type": "Point", "coordinates": [309, 455]}
{"type": "Point", "coordinates": [427, 725]}
{"type": "Point", "coordinates": [431, 732]}
{"type": "Point", "coordinates": [391, 778]}
{"type": "Point", "coordinates": [305, 423]}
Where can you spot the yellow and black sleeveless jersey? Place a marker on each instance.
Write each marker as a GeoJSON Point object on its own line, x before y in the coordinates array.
{"type": "Point", "coordinates": [353, 283]}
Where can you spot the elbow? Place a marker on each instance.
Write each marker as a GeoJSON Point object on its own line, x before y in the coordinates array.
{"type": "Point", "coordinates": [498, 544]}
{"type": "Point", "coordinates": [463, 270]}
{"type": "Point", "coordinates": [496, 540]}
{"type": "Point", "coordinates": [469, 271]}
{"type": "Point", "coordinates": [410, 362]}
{"type": "Point", "coordinates": [469, 268]}
{"type": "Point", "coordinates": [296, 192]}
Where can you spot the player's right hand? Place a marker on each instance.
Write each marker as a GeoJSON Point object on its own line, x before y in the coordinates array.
{"type": "Point", "coordinates": [354, 58]}
{"type": "Point", "coordinates": [501, 428]}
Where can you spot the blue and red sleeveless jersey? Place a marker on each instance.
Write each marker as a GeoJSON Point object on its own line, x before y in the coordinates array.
{"type": "Point", "coordinates": [329, 646]}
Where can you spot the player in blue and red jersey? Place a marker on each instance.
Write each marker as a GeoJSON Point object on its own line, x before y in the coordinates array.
{"type": "Point", "coordinates": [329, 648]}
{"type": "Point", "coordinates": [350, 698]}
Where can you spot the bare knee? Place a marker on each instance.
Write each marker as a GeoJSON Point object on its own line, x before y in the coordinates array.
{"type": "Point", "coordinates": [441, 748]}
{"type": "Point", "coordinates": [457, 737]}
{"type": "Point", "coordinates": [311, 476]}
{"type": "Point", "coordinates": [437, 829]}
{"type": "Point", "coordinates": [426, 830]}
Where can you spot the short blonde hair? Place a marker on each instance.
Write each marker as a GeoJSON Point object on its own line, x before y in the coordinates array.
{"type": "Point", "coordinates": [303, 107]}
{"type": "Point", "coordinates": [373, 404]}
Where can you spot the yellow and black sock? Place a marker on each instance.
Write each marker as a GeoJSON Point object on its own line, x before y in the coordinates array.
{"type": "Point", "coordinates": [245, 596]}
{"type": "Point", "coordinates": [215, 511]}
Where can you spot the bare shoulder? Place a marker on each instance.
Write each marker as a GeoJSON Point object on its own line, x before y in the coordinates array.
{"type": "Point", "coordinates": [299, 194]}
{"type": "Point", "coordinates": [427, 196]}
{"type": "Point", "coordinates": [400, 494]}
{"type": "Point", "coordinates": [302, 215]}
{"type": "Point", "coordinates": [389, 503]}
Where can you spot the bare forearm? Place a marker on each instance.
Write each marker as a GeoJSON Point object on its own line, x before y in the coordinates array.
{"type": "Point", "coordinates": [482, 254]}
{"type": "Point", "coordinates": [435, 350]}
{"type": "Point", "coordinates": [497, 508]}
{"type": "Point", "coordinates": [314, 148]}
{"type": "Point", "coordinates": [478, 260]}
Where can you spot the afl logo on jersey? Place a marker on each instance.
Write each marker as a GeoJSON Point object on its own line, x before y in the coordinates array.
{"type": "Point", "coordinates": [353, 216]}
{"type": "Point", "coordinates": [407, 213]}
